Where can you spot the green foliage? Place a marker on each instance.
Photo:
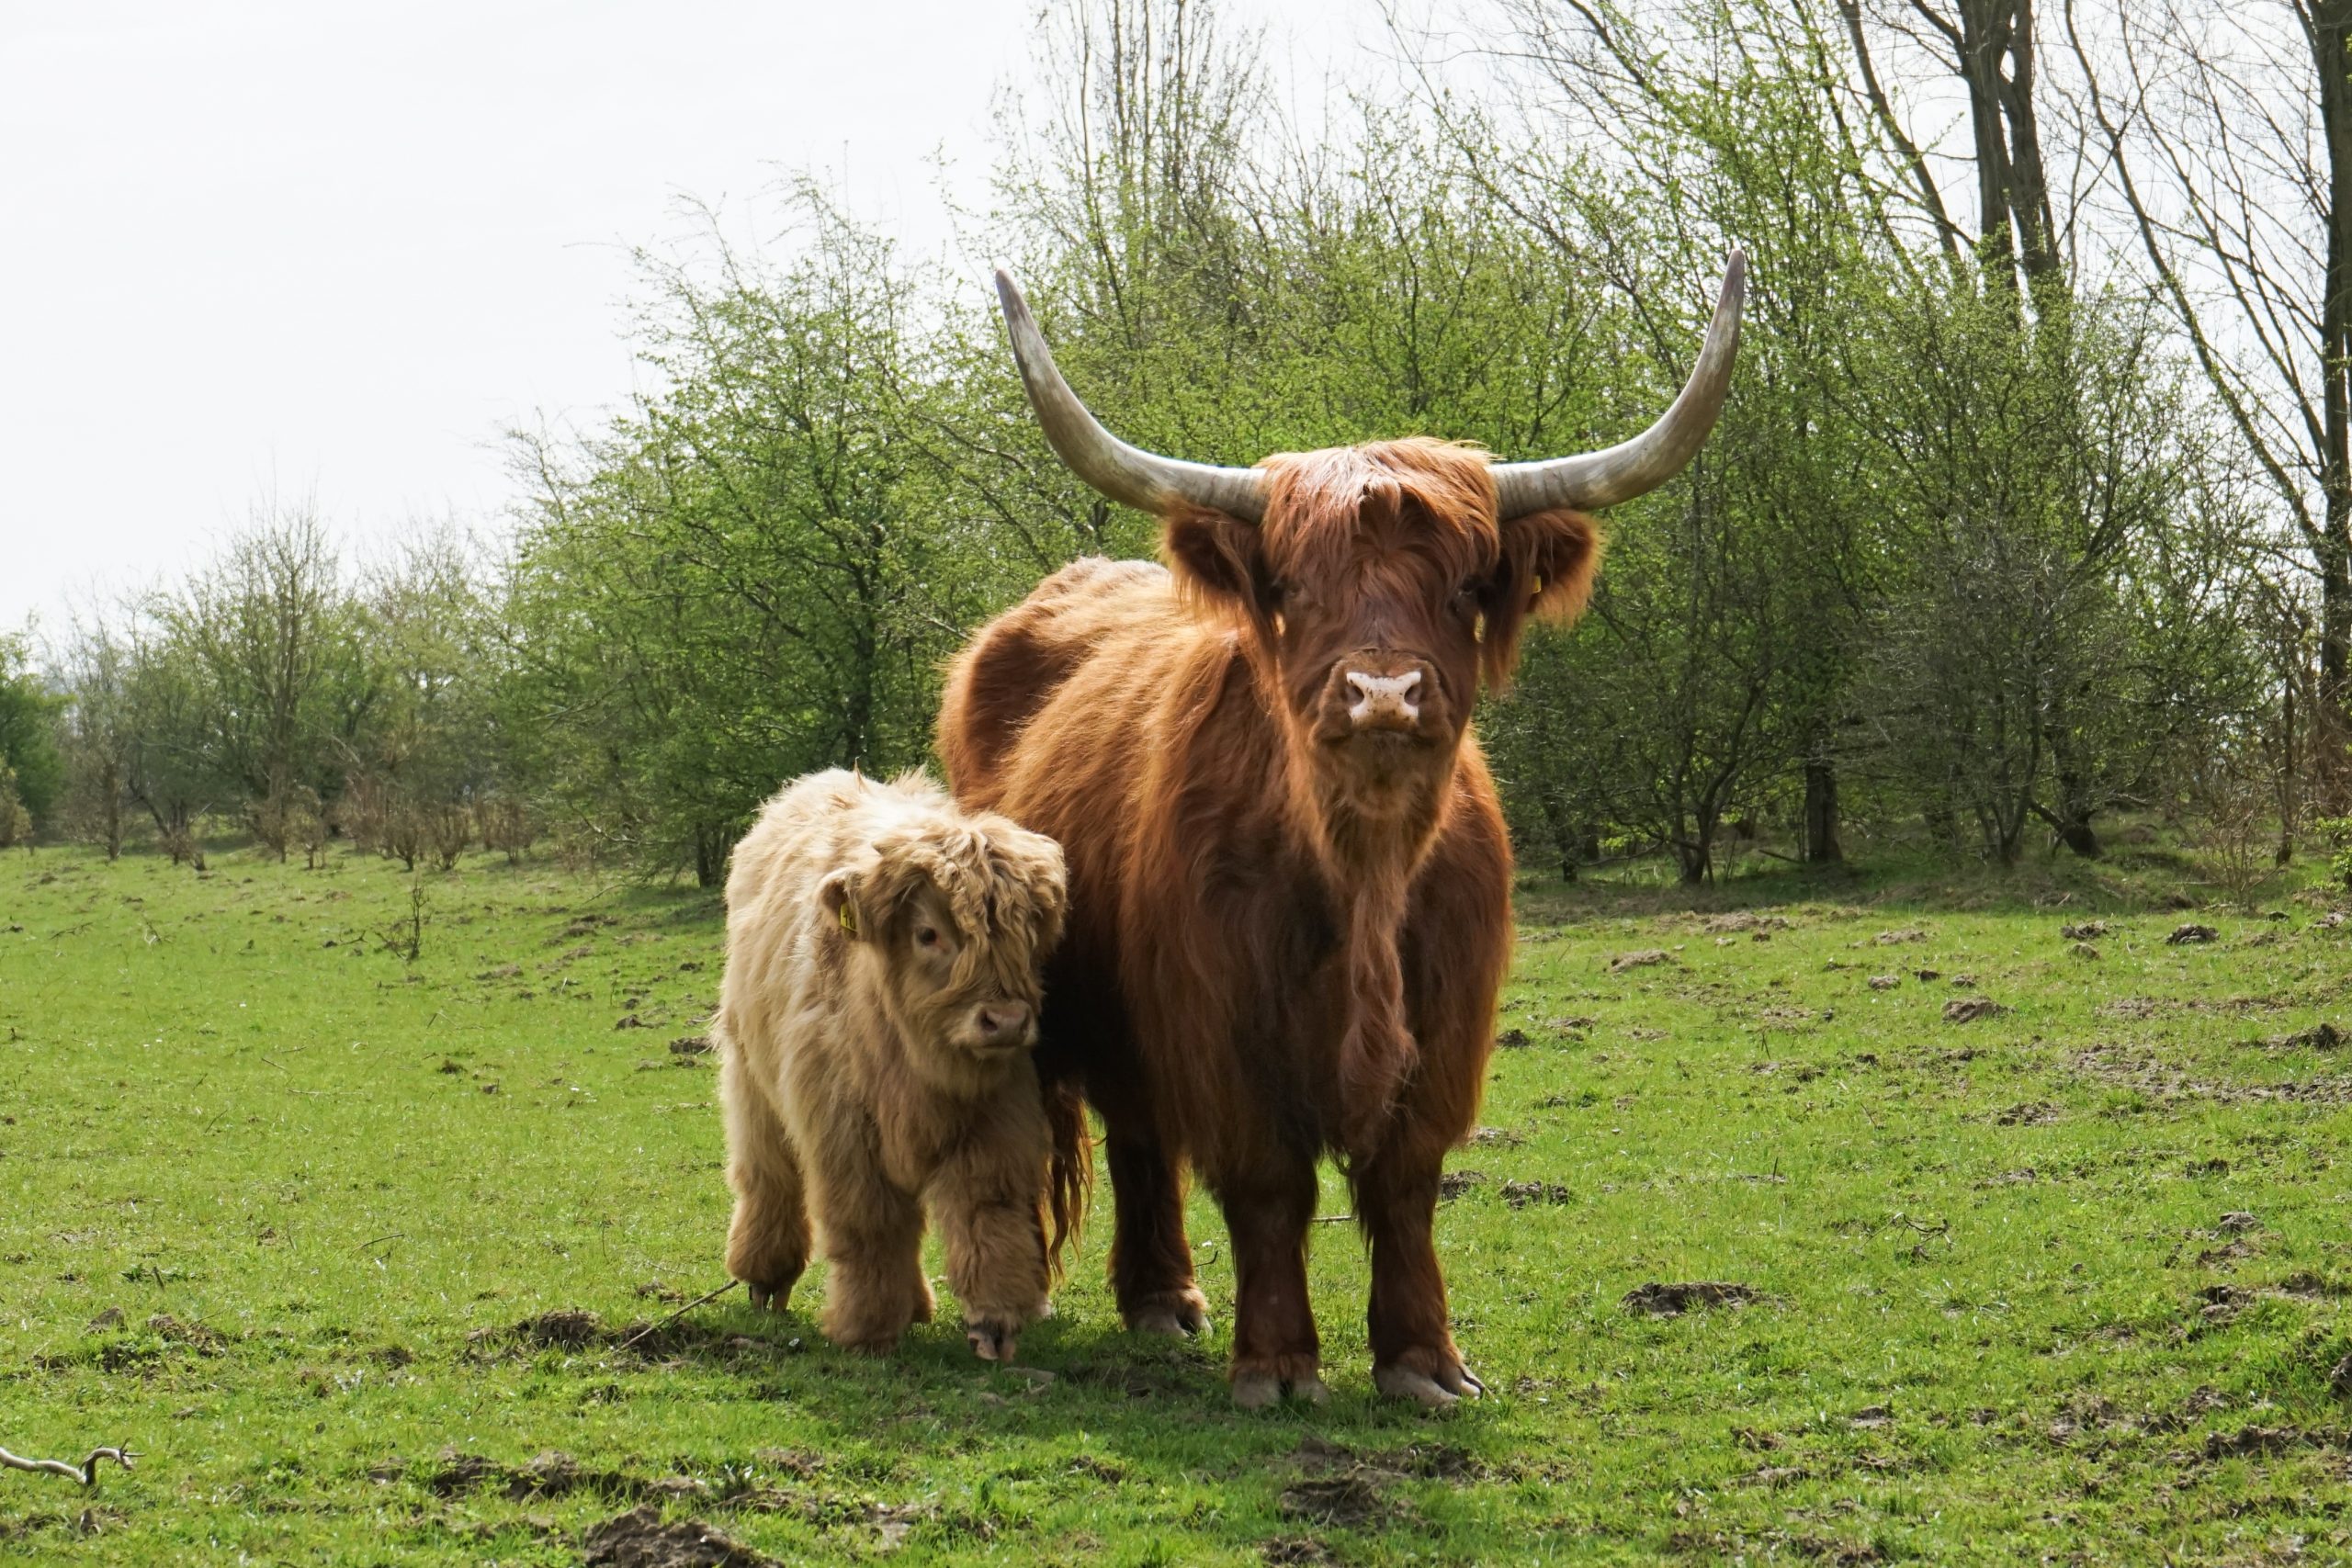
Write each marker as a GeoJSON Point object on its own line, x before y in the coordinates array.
{"type": "Point", "coordinates": [28, 731]}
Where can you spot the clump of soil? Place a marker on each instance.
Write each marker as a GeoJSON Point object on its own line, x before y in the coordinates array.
{"type": "Point", "coordinates": [1672, 1300]}
{"type": "Point", "coordinates": [1638, 959]}
{"type": "Point", "coordinates": [1519, 1194]}
{"type": "Point", "coordinates": [2084, 931]}
{"type": "Point", "coordinates": [552, 1475]}
{"type": "Point", "coordinates": [1967, 1009]}
{"type": "Point", "coordinates": [1512, 1040]}
{"type": "Point", "coordinates": [2190, 934]}
{"type": "Point", "coordinates": [1896, 938]}
{"type": "Point", "coordinates": [1351, 1498]}
{"type": "Point", "coordinates": [1455, 1183]}
{"type": "Point", "coordinates": [639, 1538]}
{"type": "Point", "coordinates": [1740, 920]}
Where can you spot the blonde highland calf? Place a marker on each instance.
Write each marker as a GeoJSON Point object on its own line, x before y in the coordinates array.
{"type": "Point", "coordinates": [877, 1018]}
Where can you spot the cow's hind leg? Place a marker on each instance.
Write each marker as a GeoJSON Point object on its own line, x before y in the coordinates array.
{"type": "Point", "coordinates": [768, 1241]}
{"type": "Point", "coordinates": [1268, 1211]}
{"type": "Point", "coordinates": [1151, 1260]}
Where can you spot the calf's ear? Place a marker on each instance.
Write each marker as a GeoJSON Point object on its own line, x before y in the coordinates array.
{"type": "Point", "coordinates": [1219, 559]}
{"type": "Point", "coordinates": [1549, 560]}
{"type": "Point", "coordinates": [838, 895]}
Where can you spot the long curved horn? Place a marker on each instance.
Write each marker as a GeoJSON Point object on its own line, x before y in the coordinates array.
{"type": "Point", "coordinates": [1637, 466]}
{"type": "Point", "coordinates": [1128, 474]}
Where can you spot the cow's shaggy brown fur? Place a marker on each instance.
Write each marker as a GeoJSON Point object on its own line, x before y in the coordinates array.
{"type": "Point", "coordinates": [879, 1002]}
{"type": "Point", "coordinates": [1289, 923]}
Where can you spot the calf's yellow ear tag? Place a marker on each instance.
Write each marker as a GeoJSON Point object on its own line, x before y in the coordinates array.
{"type": "Point", "coordinates": [848, 918]}
{"type": "Point", "coordinates": [1536, 592]}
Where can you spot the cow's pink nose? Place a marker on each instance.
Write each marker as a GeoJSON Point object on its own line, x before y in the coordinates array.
{"type": "Point", "coordinates": [999, 1020]}
{"type": "Point", "coordinates": [1384, 699]}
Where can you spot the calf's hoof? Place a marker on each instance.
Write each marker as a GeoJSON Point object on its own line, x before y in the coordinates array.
{"type": "Point", "coordinates": [994, 1338]}
{"type": "Point", "coordinates": [1433, 1390]}
{"type": "Point", "coordinates": [1177, 1314]}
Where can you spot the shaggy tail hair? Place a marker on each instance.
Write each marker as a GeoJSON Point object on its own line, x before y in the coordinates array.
{"type": "Point", "coordinates": [1071, 1170]}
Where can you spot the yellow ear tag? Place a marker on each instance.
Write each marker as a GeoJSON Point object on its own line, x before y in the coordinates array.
{"type": "Point", "coordinates": [849, 919]}
{"type": "Point", "coordinates": [1536, 592]}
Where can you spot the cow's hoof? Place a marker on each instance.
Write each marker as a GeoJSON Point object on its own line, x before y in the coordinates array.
{"type": "Point", "coordinates": [768, 1298]}
{"type": "Point", "coordinates": [1182, 1316]}
{"type": "Point", "coordinates": [1262, 1391]}
{"type": "Point", "coordinates": [1449, 1386]}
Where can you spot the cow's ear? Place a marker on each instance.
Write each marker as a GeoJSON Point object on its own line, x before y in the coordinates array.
{"type": "Point", "coordinates": [1220, 559]}
{"type": "Point", "coordinates": [1548, 561]}
{"type": "Point", "coordinates": [838, 895]}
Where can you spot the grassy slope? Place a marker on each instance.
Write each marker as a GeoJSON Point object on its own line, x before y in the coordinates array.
{"type": "Point", "coordinates": [2000, 1315]}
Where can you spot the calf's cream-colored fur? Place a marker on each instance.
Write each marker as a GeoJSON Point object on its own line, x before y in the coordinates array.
{"type": "Point", "coordinates": [876, 1017]}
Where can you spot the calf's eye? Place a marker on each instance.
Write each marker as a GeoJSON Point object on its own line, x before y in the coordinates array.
{"type": "Point", "coordinates": [926, 937]}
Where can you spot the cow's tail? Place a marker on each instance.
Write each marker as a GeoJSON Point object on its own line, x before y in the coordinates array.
{"type": "Point", "coordinates": [1072, 1170]}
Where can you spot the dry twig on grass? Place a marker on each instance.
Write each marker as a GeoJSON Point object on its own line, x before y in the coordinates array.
{"type": "Point", "coordinates": [86, 1472]}
{"type": "Point", "coordinates": [652, 1328]}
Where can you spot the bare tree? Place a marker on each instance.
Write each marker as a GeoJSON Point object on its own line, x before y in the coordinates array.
{"type": "Point", "coordinates": [2228, 129]}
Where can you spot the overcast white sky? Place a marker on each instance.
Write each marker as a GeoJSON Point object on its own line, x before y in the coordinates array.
{"type": "Point", "coordinates": [337, 250]}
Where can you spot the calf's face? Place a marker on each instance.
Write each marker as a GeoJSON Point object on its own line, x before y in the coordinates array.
{"type": "Point", "coordinates": [959, 937]}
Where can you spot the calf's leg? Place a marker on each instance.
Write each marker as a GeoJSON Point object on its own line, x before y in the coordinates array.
{"type": "Point", "coordinates": [987, 1200]}
{"type": "Point", "coordinates": [873, 1238]}
{"type": "Point", "coordinates": [767, 1240]}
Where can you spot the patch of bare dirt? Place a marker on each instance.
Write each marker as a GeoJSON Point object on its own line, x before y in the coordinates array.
{"type": "Point", "coordinates": [1353, 1497]}
{"type": "Point", "coordinates": [1639, 959]}
{"type": "Point", "coordinates": [2028, 1113]}
{"type": "Point", "coordinates": [2247, 1441]}
{"type": "Point", "coordinates": [1897, 937]}
{"type": "Point", "coordinates": [552, 1475]}
{"type": "Point", "coordinates": [2189, 933]}
{"type": "Point", "coordinates": [1967, 1009]}
{"type": "Point", "coordinates": [1455, 1183]}
{"type": "Point", "coordinates": [639, 1538]}
{"type": "Point", "coordinates": [195, 1336]}
{"type": "Point", "coordinates": [1294, 1549]}
{"type": "Point", "coordinates": [1661, 1300]}
{"type": "Point", "coordinates": [1885, 982]}
{"type": "Point", "coordinates": [1741, 921]}
{"type": "Point", "coordinates": [1519, 1194]}
{"type": "Point", "coordinates": [2084, 931]}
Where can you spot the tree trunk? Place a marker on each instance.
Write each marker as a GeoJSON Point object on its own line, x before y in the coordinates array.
{"type": "Point", "coordinates": [110, 779]}
{"type": "Point", "coordinates": [1821, 846]}
{"type": "Point", "coordinates": [2331, 37]}
{"type": "Point", "coordinates": [710, 857]}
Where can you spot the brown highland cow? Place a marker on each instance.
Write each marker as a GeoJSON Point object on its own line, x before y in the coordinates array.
{"type": "Point", "coordinates": [876, 1017]}
{"type": "Point", "coordinates": [1290, 882]}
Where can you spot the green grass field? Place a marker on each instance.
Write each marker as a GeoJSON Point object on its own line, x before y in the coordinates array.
{"type": "Point", "coordinates": [313, 1229]}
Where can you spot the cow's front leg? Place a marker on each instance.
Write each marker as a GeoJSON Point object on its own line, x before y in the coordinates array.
{"type": "Point", "coordinates": [1413, 1353]}
{"type": "Point", "coordinates": [1275, 1349]}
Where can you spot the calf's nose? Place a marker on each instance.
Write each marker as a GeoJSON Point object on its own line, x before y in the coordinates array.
{"type": "Point", "coordinates": [1003, 1021]}
{"type": "Point", "coordinates": [1384, 701]}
